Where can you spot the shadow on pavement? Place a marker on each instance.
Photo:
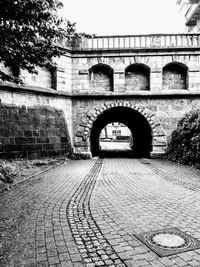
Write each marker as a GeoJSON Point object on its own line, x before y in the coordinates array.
{"type": "Point", "coordinates": [115, 153]}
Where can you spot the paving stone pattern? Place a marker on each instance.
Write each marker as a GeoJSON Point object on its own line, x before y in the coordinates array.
{"type": "Point", "coordinates": [92, 245]}
{"type": "Point", "coordinates": [89, 213]}
{"type": "Point", "coordinates": [45, 238]}
{"type": "Point", "coordinates": [129, 199]}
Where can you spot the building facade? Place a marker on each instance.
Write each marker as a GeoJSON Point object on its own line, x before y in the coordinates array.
{"type": "Point", "coordinates": [147, 82]}
{"type": "Point", "coordinates": [191, 10]}
{"type": "Point", "coordinates": [115, 130]}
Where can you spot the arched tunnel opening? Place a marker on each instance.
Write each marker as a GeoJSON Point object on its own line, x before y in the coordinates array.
{"type": "Point", "coordinates": [135, 121]}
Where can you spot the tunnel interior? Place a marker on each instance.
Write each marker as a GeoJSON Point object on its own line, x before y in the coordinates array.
{"type": "Point", "coordinates": [135, 121]}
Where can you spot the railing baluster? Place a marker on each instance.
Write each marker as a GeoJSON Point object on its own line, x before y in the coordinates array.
{"type": "Point", "coordinates": [193, 40]}
{"type": "Point", "coordinates": [106, 43]}
{"type": "Point", "coordinates": [142, 41]}
{"type": "Point", "coordinates": [198, 40]}
{"type": "Point", "coordinates": [134, 41]}
{"type": "Point", "coordinates": [165, 40]}
{"type": "Point", "coordinates": [184, 40]}
{"type": "Point", "coordinates": [178, 40]}
{"type": "Point", "coordinates": [170, 40]}
{"type": "Point", "coordinates": [188, 40]}
{"type": "Point", "coordinates": [162, 40]}
{"type": "Point", "coordinates": [146, 41]}
{"type": "Point", "coordinates": [138, 41]}
{"type": "Point", "coordinates": [92, 43]}
{"type": "Point", "coordinates": [126, 42]}
{"type": "Point", "coordinates": [181, 40]}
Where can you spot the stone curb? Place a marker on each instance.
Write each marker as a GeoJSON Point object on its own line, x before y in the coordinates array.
{"type": "Point", "coordinates": [31, 177]}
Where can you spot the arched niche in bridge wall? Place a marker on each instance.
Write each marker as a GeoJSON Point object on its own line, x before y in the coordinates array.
{"type": "Point", "coordinates": [137, 77]}
{"type": "Point", "coordinates": [46, 77]}
{"type": "Point", "coordinates": [175, 76]}
{"type": "Point", "coordinates": [146, 129]}
{"type": "Point", "coordinates": [101, 78]}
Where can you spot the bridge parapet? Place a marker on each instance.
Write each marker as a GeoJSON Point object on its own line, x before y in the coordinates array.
{"type": "Point", "coordinates": [151, 41]}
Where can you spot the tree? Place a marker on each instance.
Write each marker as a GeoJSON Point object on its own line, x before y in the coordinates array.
{"type": "Point", "coordinates": [28, 30]}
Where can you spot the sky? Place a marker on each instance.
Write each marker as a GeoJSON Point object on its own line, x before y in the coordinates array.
{"type": "Point", "coordinates": [120, 17]}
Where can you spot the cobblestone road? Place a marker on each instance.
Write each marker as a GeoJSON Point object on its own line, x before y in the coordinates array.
{"type": "Point", "coordinates": [89, 213]}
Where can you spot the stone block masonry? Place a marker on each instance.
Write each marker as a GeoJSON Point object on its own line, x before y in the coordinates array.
{"type": "Point", "coordinates": [156, 77]}
{"type": "Point", "coordinates": [162, 114]}
{"type": "Point", "coordinates": [31, 132]}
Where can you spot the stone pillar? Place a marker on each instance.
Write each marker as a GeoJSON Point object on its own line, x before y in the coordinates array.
{"type": "Point", "coordinates": [193, 80]}
{"type": "Point", "coordinates": [119, 81]}
{"type": "Point", "coordinates": [156, 80]}
{"type": "Point", "coordinates": [64, 74]}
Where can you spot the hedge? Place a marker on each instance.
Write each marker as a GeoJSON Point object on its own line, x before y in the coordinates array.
{"type": "Point", "coordinates": [184, 145]}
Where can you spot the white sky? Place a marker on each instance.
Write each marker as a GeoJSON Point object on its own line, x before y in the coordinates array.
{"type": "Point", "coordinates": [118, 17]}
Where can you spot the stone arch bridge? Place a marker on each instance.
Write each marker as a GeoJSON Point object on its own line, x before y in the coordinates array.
{"type": "Point", "coordinates": [147, 82]}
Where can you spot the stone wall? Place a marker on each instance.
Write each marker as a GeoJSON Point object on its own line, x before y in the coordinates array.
{"type": "Point", "coordinates": [34, 123]}
{"type": "Point", "coordinates": [175, 76]}
{"type": "Point", "coordinates": [64, 73]}
{"type": "Point", "coordinates": [73, 72]}
{"type": "Point", "coordinates": [32, 131]}
{"type": "Point", "coordinates": [174, 80]}
{"type": "Point", "coordinates": [58, 78]}
{"type": "Point", "coordinates": [136, 81]}
{"type": "Point", "coordinates": [100, 78]}
{"type": "Point", "coordinates": [42, 79]}
{"type": "Point", "coordinates": [156, 63]}
{"type": "Point", "coordinates": [164, 112]}
{"type": "Point", "coordinates": [139, 77]}
{"type": "Point", "coordinates": [168, 109]}
{"type": "Point", "coordinates": [100, 82]}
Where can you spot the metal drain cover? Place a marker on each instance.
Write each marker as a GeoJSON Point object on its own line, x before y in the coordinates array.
{"type": "Point", "coordinates": [168, 241]}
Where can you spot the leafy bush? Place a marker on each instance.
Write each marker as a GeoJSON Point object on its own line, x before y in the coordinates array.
{"type": "Point", "coordinates": [184, 146]}
{"type": "Point", "coordinates": [7, 173]}
{"type": "Point", "coordinates": [79, 156]}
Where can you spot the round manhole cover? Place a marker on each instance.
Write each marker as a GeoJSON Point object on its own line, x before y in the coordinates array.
{"type": "Point", "coordinates": [169, 240]}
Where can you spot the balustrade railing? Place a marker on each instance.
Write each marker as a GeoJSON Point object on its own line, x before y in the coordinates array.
{"type": "Point", "coordinates": [135, 41]}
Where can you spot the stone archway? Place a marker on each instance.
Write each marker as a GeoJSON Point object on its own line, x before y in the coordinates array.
{"type": "Point", "coordinates": [82, 142]}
